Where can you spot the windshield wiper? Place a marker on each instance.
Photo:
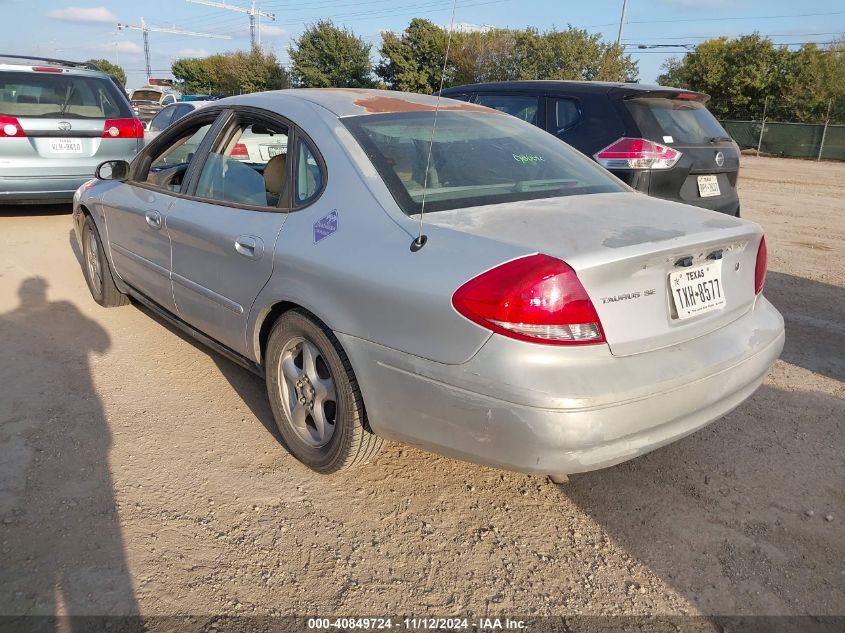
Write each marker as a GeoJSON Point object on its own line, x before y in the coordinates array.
{"type": "Point", "coordinates": [716, 139]}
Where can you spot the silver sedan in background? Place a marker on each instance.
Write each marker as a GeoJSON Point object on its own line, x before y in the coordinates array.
{"type": "Point", "coordinates": [493, 296]}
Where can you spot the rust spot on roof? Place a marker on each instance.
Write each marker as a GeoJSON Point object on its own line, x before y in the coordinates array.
{"type": "Point", "coordinates": [382, 104]}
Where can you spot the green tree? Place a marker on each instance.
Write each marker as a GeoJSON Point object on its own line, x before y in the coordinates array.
{"type": "Point", "coordinates": [413, 60]}
{"type": "Point", "coordinates": [739, 74]}
{"type": "Point", "coordinates": [112, 69]}
{"type": "Point", "coordinates": [327, 56]}
{"type": "Point", "coordinates": [231, 73]}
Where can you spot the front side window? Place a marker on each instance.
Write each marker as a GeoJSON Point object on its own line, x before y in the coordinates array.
{"type": "Point", "coordinates": [521, 106]}
{"type": "Point", "coordinates": [249, 167]}
{"type": "Point", "coordinates": [476, 159]}
{"type": "Point", "coordinates": [169, 166]}
{"type": "Point", "coordinates": [67, 96]}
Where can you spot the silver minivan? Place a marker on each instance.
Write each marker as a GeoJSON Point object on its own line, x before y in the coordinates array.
{"type": "Point", "coordinates": [58, 121]}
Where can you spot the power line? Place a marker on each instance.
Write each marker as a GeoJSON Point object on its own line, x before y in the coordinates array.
{"type": "Point", "coordinates": [146, 30]}
{"type": "Point", "coordinates": [748, 17]}
{"type": "Point", "coordinates": [710, 37]}
{"type": "Point", "coordinates": [252, 12]}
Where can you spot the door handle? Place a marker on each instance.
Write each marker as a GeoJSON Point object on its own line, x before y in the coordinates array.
{"type": "Point", "coordinates": [153, 219]}
{"type": "Point", "coordinates": [249, 246]}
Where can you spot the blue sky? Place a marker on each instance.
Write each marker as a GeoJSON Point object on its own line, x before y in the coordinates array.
{"type": "Point", "coordinates": [76, 29]}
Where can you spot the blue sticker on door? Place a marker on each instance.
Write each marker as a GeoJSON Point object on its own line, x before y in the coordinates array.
{"type": "Point", "coordinates": [325, 226]}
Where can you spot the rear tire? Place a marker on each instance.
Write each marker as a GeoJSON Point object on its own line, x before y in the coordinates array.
{"type": "Point", "coordinates": [315, 396]}
{"type": "Point", "coordinates": [95, 266]}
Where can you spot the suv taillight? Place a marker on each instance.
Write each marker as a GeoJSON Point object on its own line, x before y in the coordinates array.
{"type": "Point", "coordinates": [10, 128]}
{"type": "Point", "coordinates": [535, 298]}
{"type": "Point", "coordinates": [123, 128]}
{"type": "Point", "coordinates": [762, 264]}
{"type": "Point", "coordinates": [637, 153]}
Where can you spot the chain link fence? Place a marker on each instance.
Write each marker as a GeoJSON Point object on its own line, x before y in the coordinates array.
{"type": "Point", "coordinates": [791, 140]}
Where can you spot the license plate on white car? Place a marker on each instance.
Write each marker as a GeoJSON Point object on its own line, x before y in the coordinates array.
{"type": "Point", "coordinates": [65, 146]}
{"type": "Point", "coordinates": [697, 290]}
{"type": "Point", "coordinates": [276, 150]}
{"type": "Point", "coordinates": [708, 186]}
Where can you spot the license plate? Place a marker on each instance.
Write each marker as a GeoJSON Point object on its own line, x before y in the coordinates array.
{"type": "Point", "coordinates": [708, 186]}
{"type": "Point", "coordinates": [697, 290]}
{"type": "Point", "coordinates": [65, 146]}
{"type": "Point", "coordinates": [275, 150]}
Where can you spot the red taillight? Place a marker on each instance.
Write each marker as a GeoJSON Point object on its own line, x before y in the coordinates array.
{"type": "Point", "coordinates": [10, 127]}
{"type": "Point", "coordinates": [536, 298]}
{"type": "Point", "coordinates": [686, 96]}
{"type": "Point", "coordinates": [47, 69]}
{"type": "Point", "coordinates": [637, 153]}
{"type": "Point", "coordinates": [123, 128]}
{"type": "Point", "coordinates": [762, 263]}
{"type": "Point", "coordinates": [240, 151]}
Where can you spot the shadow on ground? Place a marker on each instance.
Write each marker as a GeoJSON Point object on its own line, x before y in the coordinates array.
{"type": "Point", "coordinates": [814, 314]}
{"type": "Point", "coordinates": [32, 210]}
{"type": "Point", "coordinates": [62, 548]}
{"type": "Point", "coordinates": [721, 516]}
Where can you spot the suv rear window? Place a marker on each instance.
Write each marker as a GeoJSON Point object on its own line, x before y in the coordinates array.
{"type": "Point", "coordinates": [147, 95]}
{"type": "Point", "coordinates": [476, 159]}
{"type": "Point", "coordinates": [685, 121]}
{"type": "Point", "coordinates": [50, 95]}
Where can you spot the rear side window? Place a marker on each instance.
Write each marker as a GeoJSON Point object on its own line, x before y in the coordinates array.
{"type": "Point", "coordinates": [309, 177]}
{"type": "Point", "coordinates": [566, 114]}
{"type": "Point", "coordinates": [521, 106]}
{"type": "Point", "coordinates": [66, 96]}
{"type": "Point", "coordinates": [684, 121]}
{"type": "Point", "coordinates": [162, 120]}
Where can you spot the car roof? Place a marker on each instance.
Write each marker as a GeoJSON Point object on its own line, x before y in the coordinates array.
{"type": "Point", "coordinates": [343, 102]}
{"type": "Point", "coordinates": [571, 87]}
{"type": "Point", "coordinates": [27, 64]}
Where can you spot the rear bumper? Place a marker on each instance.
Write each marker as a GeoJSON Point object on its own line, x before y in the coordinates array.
{"type": "Point", "coordinates": [544, 410]}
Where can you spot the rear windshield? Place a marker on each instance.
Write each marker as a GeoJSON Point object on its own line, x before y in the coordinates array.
{"type": "Point", "coordinates": [476, 159]}
{"type": "Point", "coordinates": [147, 95]}
{"type": "Point", "coordinates": [47, 95]}
{"type": "Point", "coordinates": [684, 121]}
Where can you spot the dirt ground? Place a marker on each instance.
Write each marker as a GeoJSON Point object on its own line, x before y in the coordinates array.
{"type": "Point", "coordinates": [141, 473]}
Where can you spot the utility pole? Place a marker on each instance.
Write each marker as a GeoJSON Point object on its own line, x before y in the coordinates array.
{"type": "Point", "coordinates": [824, 131]}
{"type": "Point", "coordinates": [622, 21]}
{"type": "Point", "coordinates": [253, 12]}
{"type": "Point", "coordinates": [763, 125]}
{"type": "Point", "coordinates": [146, 30]}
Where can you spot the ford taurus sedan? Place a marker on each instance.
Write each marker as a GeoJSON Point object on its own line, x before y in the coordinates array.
{"type": "Point", "coordinates": [492, 295]}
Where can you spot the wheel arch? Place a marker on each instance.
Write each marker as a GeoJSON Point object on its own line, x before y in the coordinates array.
{"type": "Point", "coordinates": [267, 318]}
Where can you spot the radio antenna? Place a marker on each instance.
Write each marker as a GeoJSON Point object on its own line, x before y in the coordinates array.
{"type": "Point", "coordinates": [421, 239]}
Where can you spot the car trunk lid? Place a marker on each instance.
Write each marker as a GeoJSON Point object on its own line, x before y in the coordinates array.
{"type": "Point", "coordinates": [627, 250]}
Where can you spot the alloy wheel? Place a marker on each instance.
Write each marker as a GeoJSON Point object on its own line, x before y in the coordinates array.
{"type": "Point", "coordinates": [308, 391]}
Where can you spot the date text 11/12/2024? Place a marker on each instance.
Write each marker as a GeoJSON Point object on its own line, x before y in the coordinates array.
{"type": "Point", "coordinates": [413, 623]}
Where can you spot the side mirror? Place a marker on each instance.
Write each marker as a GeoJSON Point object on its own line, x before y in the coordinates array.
{"type": "Point", "coordinates": [112, 170]}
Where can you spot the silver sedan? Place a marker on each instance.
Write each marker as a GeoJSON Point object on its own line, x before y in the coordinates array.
{"type": "Point", "coordinates": [478, 288]}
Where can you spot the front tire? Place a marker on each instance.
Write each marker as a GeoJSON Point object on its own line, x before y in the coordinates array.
{"type": "Point", "coordinates": [315, 397]}
{"type": "Point", "coordinates": [96, 268]}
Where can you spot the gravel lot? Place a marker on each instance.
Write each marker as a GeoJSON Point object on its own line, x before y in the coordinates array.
{"type": "Point", "coordinates": [140, 472]}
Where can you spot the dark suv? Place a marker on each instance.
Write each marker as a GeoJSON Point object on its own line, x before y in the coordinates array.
{"type": "Point", "coordinates": [661, 141]}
